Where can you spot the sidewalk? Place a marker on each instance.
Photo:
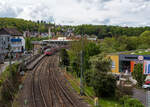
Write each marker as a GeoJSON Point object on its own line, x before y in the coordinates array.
{"type": "Point", "coordinates": [140, 94]}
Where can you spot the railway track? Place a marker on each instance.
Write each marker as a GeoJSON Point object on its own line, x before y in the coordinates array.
{"type": "Point", "coordinates": [65, 96]}
{"type": "Point", "coordinates": [37, 92]}
{"type": "Point", "coordinates": [48, 88]}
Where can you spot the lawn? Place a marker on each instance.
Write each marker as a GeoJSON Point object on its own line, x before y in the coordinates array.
{"type": "Point", "coordinates": [109, 103]}
{"type": "Point", "coordinates": [139, 52]}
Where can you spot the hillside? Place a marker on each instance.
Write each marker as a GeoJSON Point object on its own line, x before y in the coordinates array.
{"type": "Point", "coordinates": [101, 31]}
{"type": "Point", "coordinates": [24, 25]}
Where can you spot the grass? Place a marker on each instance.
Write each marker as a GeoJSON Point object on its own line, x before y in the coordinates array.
{"type": "Point", "coordinates": [89, 98]}
{"type": "Point", "coordinates": [139, 52]}
{"type": "Point", "coordinates": [143, 53]}
{"type": "Point", "coordinates": [109, 103]}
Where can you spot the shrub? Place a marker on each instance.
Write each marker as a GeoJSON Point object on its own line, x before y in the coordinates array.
{"type": "Point", "coordinates": [104, 84]}
{"type": "Point", "coordinates": [9, 84]}
{"type": "Point", "coordinates": [64, 57]}
{"type": "Point", "coordinates": [126, 101]}
{"type": "Point", "coordinates": [88, 77]}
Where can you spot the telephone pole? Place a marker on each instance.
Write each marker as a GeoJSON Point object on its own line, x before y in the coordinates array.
{"type": "Point", "coordinates": [10, 55]}
{"type": "Point", "coordinates": [82, 67]}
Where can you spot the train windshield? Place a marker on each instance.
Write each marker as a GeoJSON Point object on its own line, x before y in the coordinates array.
{"type": "Point", "coordinates": [47, 50]}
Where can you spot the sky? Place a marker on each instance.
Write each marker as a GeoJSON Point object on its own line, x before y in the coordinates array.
{"type": "Point", "coordinates": [77, 12]}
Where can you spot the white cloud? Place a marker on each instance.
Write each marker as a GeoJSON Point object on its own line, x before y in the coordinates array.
{"type": "Point", "coordinates": [74, 12]}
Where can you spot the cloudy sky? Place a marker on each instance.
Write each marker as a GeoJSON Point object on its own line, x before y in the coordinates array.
{"type": "Point", "coordinates": [75, 12]}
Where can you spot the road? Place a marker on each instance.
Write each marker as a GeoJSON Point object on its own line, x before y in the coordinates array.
{"type": "Point", "coordinates": [140, 94]}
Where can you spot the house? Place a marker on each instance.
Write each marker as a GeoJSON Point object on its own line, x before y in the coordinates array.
{"type": "Point", "coordinates": [37, 46]}
{"type": "Point", "coordinates": [12, 37]}
{"type": "Point", "coordinates": [30, 34]}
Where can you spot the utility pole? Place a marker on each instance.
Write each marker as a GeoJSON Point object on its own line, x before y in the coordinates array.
{"type": "Point", "coordinates": [10, 55]}
{"type": "Point", "coordinates": [82, 68]}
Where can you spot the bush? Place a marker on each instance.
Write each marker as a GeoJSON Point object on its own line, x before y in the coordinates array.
{"type": "Point", "coordinates": [104, 84]}
{"type": "Point", "coordinates": [126, 101]}
{"type": "Point", "coordinates": [9, 84]}
{"type": "Point", "coordinates": [1, 82]}
{"type": "Point", "coordinates": [88, 77]}
{"type": "Point", "coordinates": [65, 61]}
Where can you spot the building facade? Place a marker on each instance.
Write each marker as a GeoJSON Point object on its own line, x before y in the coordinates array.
{"type": "Point", "coordinates": [125, 62]}
{"type": "Point", "coordinates": [12, 37]}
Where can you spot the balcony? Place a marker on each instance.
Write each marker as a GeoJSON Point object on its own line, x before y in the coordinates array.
{"type": "Point", "coordinates": [16, 40]}
{"type": "Point", "coordinates": [16, 45]}
{"type": "Point", "coordinates": [17, 51]}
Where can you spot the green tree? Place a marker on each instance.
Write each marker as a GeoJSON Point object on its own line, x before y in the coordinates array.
{"type": "Point", "coordinates": [28, 44]}
{"type": "Point", "coordinates": [145, 33]}
{"type": "Point", "coordinates": [121, 43]}
{"type": "Point", "coordinates": [101, 63]}
{"type": "Point", "coordinates": [144, 40]}
{"type": "Point", "coordinates": [89, 49]}
{"type": "Point", "coordinates": [108, 45]}
{"type": "Point", "coordinates": [64, 57]}
{"type": "Point", "coordinates": [132, 43]}
{"type": "Point", "coordinates": [104, 84]}
{"type": "Point", "coordinates": [138, 74]}
{"type": "Point", "coordinates": [75, 64]}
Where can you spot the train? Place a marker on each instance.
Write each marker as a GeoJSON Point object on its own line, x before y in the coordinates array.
{"type": "Point", "coordinates": [50, 51]}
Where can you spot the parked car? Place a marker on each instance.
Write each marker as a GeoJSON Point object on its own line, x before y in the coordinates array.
{"type": "Point", "coordinates": [146, 86]}
{"type": "Point", "coordinates": [147, 81]}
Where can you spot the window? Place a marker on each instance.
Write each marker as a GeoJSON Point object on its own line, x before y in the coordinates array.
{"type": "Point", "coordinates": [113, 65]}
{"type": "Point", "coordinates": [8, 39]}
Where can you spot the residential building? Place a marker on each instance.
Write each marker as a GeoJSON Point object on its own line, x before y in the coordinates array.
{"type": "Point", "coordinates": [12, 37]}
{"type": "Point", "coordinates": [30, 34]}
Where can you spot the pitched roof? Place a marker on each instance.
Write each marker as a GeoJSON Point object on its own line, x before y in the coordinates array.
{"type": "Point", "coordinates": [11, 31]}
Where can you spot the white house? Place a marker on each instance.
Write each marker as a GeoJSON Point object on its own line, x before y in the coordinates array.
{"type": "Point", "coordinates": [12, 37]}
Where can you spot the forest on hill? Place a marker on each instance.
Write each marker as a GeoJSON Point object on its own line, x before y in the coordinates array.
{"type": "Point", "coordinates": [24, 25]}
{"type": "Point", "coordinates": [101, 31]}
